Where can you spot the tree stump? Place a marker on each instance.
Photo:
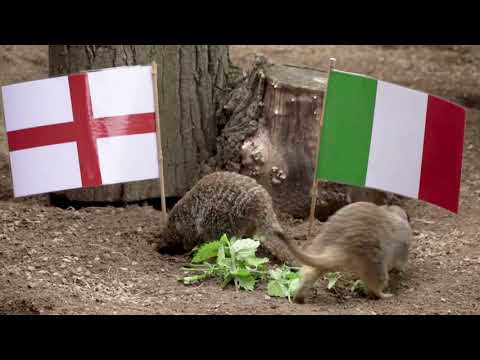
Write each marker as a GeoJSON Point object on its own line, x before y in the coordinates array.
{"type": "Point", "coordinates": [274, 139]}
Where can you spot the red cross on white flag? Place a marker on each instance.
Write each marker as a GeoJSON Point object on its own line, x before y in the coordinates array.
{"type": "Point", "coordinates": [82, 130]}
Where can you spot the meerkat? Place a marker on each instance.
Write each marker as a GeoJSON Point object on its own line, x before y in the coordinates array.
{"type": "Point", "coordinates": [223, 203]}
{"type": "Point", "coordinates": [361, 238]}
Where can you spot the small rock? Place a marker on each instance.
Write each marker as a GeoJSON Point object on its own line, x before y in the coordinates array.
{"type": "Point", "coordinates": [443, 300]}
{"type": "Point", "coordinates": [267, 297]}
{"type": "Point", "coordinates": [13, 272]}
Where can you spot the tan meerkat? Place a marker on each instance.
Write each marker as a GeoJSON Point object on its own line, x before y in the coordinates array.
{"type": "Point", "coordinates": [223, 203]}
{"type": "Point", "coordinates": [361, 238]}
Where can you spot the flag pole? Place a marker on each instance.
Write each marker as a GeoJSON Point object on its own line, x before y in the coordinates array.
{"type": "Point", "coordinates": [314, 191]}
{"type": "Point", "coordinates": [159, 142]}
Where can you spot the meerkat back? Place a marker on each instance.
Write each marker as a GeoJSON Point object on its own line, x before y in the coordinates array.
{"type": "Point", "coordinates": [358, 230]}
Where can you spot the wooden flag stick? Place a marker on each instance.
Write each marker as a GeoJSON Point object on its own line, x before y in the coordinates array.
{"type": "Point", "coordinates": [314, 191]}
{"type": "Point", "coordinates": [159, 142]}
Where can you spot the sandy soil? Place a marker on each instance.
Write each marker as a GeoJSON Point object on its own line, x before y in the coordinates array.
{"type": "Point", "coordinates": [100, 261]}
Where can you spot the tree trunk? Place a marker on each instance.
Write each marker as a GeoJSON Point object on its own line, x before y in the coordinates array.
{"type": "Point", "coordinates": [192, 81]}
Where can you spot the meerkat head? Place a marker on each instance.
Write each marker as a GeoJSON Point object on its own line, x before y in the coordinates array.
{"type": "Point", "coordinates": [167, 242]}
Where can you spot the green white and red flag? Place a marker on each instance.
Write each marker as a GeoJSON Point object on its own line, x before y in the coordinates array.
{"type": "Point", "coordinates": [384, 136]}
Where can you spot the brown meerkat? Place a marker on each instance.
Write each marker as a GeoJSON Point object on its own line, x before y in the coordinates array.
{"type": "Point", "coordinates": [361, 238]}
{"type": "Point", "coordinates": [223, 203]}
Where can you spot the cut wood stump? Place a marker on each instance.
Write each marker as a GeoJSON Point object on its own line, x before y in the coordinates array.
{"type": "Point", "coordinates": [281, 154]}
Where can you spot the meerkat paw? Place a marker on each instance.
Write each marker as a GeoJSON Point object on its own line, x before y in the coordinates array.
{"type": "Point", "coordinates": [379, 295]}
{"type": "Point", "coordinates": [385, 295]}
{"type": "Point", "coordinates": [299, 299]}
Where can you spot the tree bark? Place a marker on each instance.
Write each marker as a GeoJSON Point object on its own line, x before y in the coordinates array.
{"type": "Point", "coordinates": [192, 81]}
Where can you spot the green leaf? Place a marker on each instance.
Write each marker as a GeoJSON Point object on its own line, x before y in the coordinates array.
{"type": "Point", "coordinates": [276, 288]}
{"type": "Point", "coordinates": [332, 279]}
{"type": "Point", "coordinates": [359, 286]}
{"type": "Point", "coordinates": [241, 272]}
{"type": "Point", "coordinates": [276, 274]}
{"type": "Point", "coordinates": [228, 278]}
{"type": "Point", "coordinates": [224, 239]}
{"type": "Point", "coordinates": [244, 248]}
{"type": "Point", "coordinates": [188, 280]}
{"type": "Point", "coordinates": [207, 252]}
{"type": "Point", "coordinates": [292, 275]}
{"type": "Point", "coordinates": [293, 287]}
{"type": "Point", "coordinates": [247, 282]}
{"type": "Point", "coordinates": [256, 262]}
{"type": "Point", "coordinates": [221, 255]}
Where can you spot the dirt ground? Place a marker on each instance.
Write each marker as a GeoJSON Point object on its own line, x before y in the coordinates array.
{"type": "Point", "coordinates": [99, 260]}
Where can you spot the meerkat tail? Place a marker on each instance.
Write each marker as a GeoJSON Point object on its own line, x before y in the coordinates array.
{"type": "Point", "coordinates": [326, 261]}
